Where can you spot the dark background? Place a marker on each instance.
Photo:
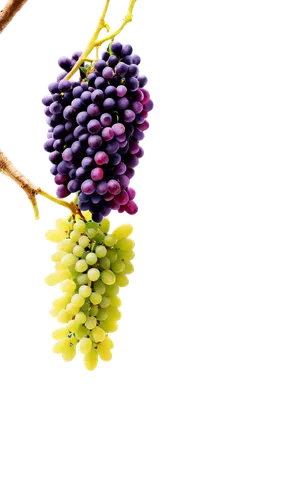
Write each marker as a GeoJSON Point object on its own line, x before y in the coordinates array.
{"type": "Point", "coordinates": [24, 61]}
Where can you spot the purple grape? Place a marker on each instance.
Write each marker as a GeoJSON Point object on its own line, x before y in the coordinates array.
{"type": "Point", "coordinates": [93, 110]}
{"type": "Point", "coordinates": [95, 198]}
{"type": "Point", "coordinates": [83, 138]}
{"type": "Point", "coordinates": [124, 181]}
{"type": "Point", "coordinates": [49, 145]}
{"type": "Point", "coordinates": [87, 162]}
{"type": "Point", "coordinates": [59, 145]}
{"type": "Point", "coordinates": [101, 187]}
{"type": "Point", "coordinates": [94, 141]}
{"type": "Point", "coordinates": [100, 65]}
{"type": "Point", "coordinates": [129, 115]}
{"type": "Point", "coordinates": [116, 48]}
{"type": "Point", "coordinates": [105, 55]}
{"type": "Point", "coordinates": [131, 193]}
{"type": "Point", "coordinates": [56, 108]}
{"type": "Point", "coordinates": [107, 134]}
{"type": "Point", "coordinates": [64, 63]}
{"type": "Point", "coordinates": [69, 112]}
{"type": "Point", "coordinates": [54, 169]}
{"type": "Point", "coordinates": [59, 131]}
{"type": "Point", "coordinates": [101, 158]}
{"type": "Point", "coordinates": [69, 139]}
{"type": "Point", "coordinates": [106, 119]}
{"type": "Point", "coordinates": [53, 87]}
{"type": "Point", "coordinates": [77, 91]}
{"type": "Point", "coordinates": [47, 100]}
{"type": "Point", "coordinates": [121, 138]}
{"type": "Point", "coordinates": [135, 59]}
{"type": "Point", "coordinates": [115, 159]}
{"type": "Point", "coordinates": [121, 69]}
{"type": "Point", "coordinates": [67, 154]}
{"type": "Point", "coordinates": [112, 147]}
{"type": "Point", "coordinates": [118, 128]}
{"type": "Point", "coordinates": [140, 152]}
{"type": "Point", "coordinates": [121, 91]}
{"type": "Point", "coordinates": [113, 61]}
{"type": "Point", "coordinates": [133, 70]}
{"type": "Point", "coordinates": [76, 147]}
{"type": "Point", "coordinates": [63, 168]}
{"type": "Point", "coordinates": [82, 118]}
{"type": "Point", "coordinates": [122, 103]}
{"type": "Point", "coordinates": [126, 50]}
{"type": "Point", "coordinates": [109, 104]}
{"type": "Point", "coordinates": [73, 186]}
{"type": "Point", "coordinates": [107, 73]}
{"type": "Point", "coordinates": [143, 80]}
{"type": "Point", "coordinates": [122, 198]}
{"type": "Point", "coordinates": [110, 91]}
{"type": "Point", "coordinates": [100, 83]}
{"type": "Point", "coordinates": [120, 169]}
{"type": "Point", "coordinates": [69, 126]}
{"type": "Point", "coordinates": [79, 130]}
{"type": "Point", "coordinates": [127, 60]}
{"type": "Point", "coordinates": [148, 106]}
{"type": "Point", "coordinates": [62, 191]}
{"type": "Point", "coordinates": [88, 186]}
{"type": "Point", "coordinates": [94, 126]}
{"type": "Point", "coordinates": [91, 78]}
{"type": "Point", "coordinates": [97, 216]}
{"type": "Point", "coordinates": [113, 187]}
{"type": "Point", "coordinates": [132, 84]}
{"type": "Point", "coordinates": [96, 174]}
{"type": "Point", "coordinates": [64, 85]}
{"type": "Point", "coordinates": [138, 135]}
{"type": "Point", "coordinates": [86, 97]}
{"type": "Point", "coordinates": [137, 107]}
{"type": "Point", "coordinates": [97, 96]}
{"type": "Point", "coordinates": [61, 179]}
{"type": "Point", "coordinates": [77, 104]}
{"type": "Point", "coordinates": [80, 173]}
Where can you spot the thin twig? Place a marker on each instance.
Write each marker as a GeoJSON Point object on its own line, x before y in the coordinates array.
{"type": "Point", "coordinates": [10, 10]}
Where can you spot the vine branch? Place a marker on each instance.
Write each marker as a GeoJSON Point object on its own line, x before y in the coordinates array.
{"type": "Point", "coordinates": [10, 10]}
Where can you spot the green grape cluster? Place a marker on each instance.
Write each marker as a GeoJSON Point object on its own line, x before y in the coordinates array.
{"type": "Point", "coordinates": [90, 266]}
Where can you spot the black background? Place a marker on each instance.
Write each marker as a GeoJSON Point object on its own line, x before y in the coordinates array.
{"type": "Point", "coordinates": [22, 259]}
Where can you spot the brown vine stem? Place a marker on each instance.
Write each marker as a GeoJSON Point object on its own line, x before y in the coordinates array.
{"type": "Point", "coordinates": [10, 10]}
{"type": "Point", "coordinates": [7, 168]}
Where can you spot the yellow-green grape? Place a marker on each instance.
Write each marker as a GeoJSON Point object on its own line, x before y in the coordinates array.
{"type": "Point", "coordinates": [57, 277]}
{"type": "Point", "coordinates": [108, 277]}
{"type": "Point", "coordinates": [105, 225]}
{"type": "Point", "coordinates": [100, 251]}
{"type": "Point", "coordinates": [112, 255]}
{"type": "Point", "coordinates": [81, 332]}
{"type": "Point", "coordinates": [83, 241]}
{"type": "Point", "coordinates": [122, 280]}
{"type": "Point", "coordinates": [115, 301]}
{"type": "Point", "coordinates": [104, 353]}
{"type": "Point", "coordinates": [75, 235]}
{"type": "Point", "coordinates": [91, 232]}
{"type": "Point", "coordinates": [125, 245]}
{"type": "Point", "coordinates": [93, 274]}
{"type": "Point", "coordinates": [86, 306]}
{"type": "Point", "coordinates": [68, 286]}
{"type": "Point", "coordinates": [60, 333]}
{"type": "Point", "coordinates": [53, 312]}
{"type": "Point", "coordinates": [57, 256]}
{"type": "Point", "coordinates": [112, 290]}
{"type": "Point", "coordinates": [98, 334]}
{"type": "Point", "coordinates": [84, 345]}
{"type": "Point", "coordinates": [84, 291]}
{"type": "Point", "coordinates": [61, 302]}
{"type": "Point", "coordinates": [91, 258]}
{"type": "Point", "coordinates": [77, 300]}
{"type": "Point", "coordinates": [99, 287]}
{"type": "Point", "coordinates": [72, 326]}
{"type": "Point", "coordinates": [114, 314]}
{"type": "Point", "coordinates": [129, 268]}
{"type": "Point", "coordinates": [104, 263]}
{"type": "Point", "coordinates": [54, 235]}
{"type": "Point", "coordinates": [78, 251]}
{"type": "Point", "coordinates": [59, 266]}
{"type": "Point", "coordinates": [129, 255]}
{"type": "Point", "coordinates": [69, 260]}
{"type": "Point", "coordinates": [90, 360]}
{"type": "Point", "coordinates": [65, 349]}
{"type": "Point", "coordinates": [95, 298]}
{"type": "Point", "coordinates": [90, 323]}
{"type": "Point", "coordinates": [108, 342]}
{"type": "Point", "coordinates": [105, 302]}
{"type": "Point", "coordinates": [81, 266]}
{"type": "Point", "coordinates": [72, 309]}
{"type": "Point", "coordinates": [62, 224]}
{"type": "Point", "coordinates": [93, 310]}
{"type": "Point", "coordinates": [66, 245]}
{"type": "Point", "coordinates": [99, 237]}
{"type": "Point", "coordinates": [82, 279]}
{"type": "Point", "coordinates": [102, 314]}
{"type": "Point", "coordinates": [118, 266]}
{"type": "Point", "coordinates": [109, 240]}
{"type": "Point", "coordinates": [80, 318]}
{"type": "Point", "coordinates": [122, 231]}
{"type": "Point", "coordinates": [79, 226]}
{"type": "Point", "coordinates": [64, 316]}
{"type": "Point", "coordinates": [110, 326]}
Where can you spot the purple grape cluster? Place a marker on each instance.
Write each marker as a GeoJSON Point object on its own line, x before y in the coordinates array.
{"type": "Point", "coordinates": [96, 125]}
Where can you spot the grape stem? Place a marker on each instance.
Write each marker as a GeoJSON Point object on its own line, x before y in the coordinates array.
{"type": "Point", "coordinates": [94, 42]}
{"type": "Point", "coordinates": [7, 168]}
{"type": "Point", "coordinates": [10, 10]}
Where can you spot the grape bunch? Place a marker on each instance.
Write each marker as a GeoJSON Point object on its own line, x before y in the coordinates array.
{"type": "Point", "coordinates": [96, 125]}
{"type": "Point", "coordinates": [90, 266]}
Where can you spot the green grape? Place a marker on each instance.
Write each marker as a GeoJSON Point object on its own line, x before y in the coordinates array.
{"type": "Point", "coordinates": [99, 237]}
{"type": "Point", "coordinates": [60, 333]}
{"type": "Point", "coordinates": [122, 231]}
{"type": "Point", "coordinates": [122, 280]}
{"type": "Point", "coordinates": [93, 274]}
{"type": "Point", "coordinates": [105, 302]}
{"type": "Point", "coordinates": [62, 224]}
{"type": "Point", "coordinates": [109, 326]}
{"type": "Point", "coordinates": [107, 343]}
{"type": "Point", "coordinates": [84, 345]}
{"type": "Point", "coordinates": [57, 256]}
{"type": "Point", "coordinates": [83, 241]}
{"type": "Point", "coordinates": [66, 245]}
{"type": "Point", "coordinates": [104, 263]}
{"type": "Point", "coordinates": [69, 353]}
{"type": "Point", "coordinates": [109, 240]}
{"type": "Point", "coordinates": [112, 255]}
{"type": "Point", "coordinates": [81, 332]}
{"type": "Point", "coordinates": [112, 290]}
{"type": "Point", "coordinates": [78, 251]}
{"type": "Point", "coordinates": [114, 314]}
{"type": "Point", "coordinates": [64, 316]}
{"type": "Point", "coordinates": [91, 258]}
{"type": "Point", "coordinates": [54, 235]}
{"type": "Point", "coordinates": [99, 287]}
{"type": "Point", "coordinates": [84, 291]}
{"type": "Point", "coordinates": [105, 225]}
{"type": "Point", "coordinates": [91, 233]}
{"type": "Point", "coordinates": [81, 265]}
{"type": "Point", "coordinates": [108, 277]}
{"type": "Point", "coordinates": [75, 236]}
{"type": "Point", "coordinates": [98, 334]}
{"type": "Point", "coordinates": [95, 298]}
{"type": "Point", "coordinates": [100, 251]}
{"type": "Point", "coordinates": [86, 306]}
{"type": "Point", "coordinates": [80, 318]}
{"type": "Point", "coordinates": [69, 260]}
{"type": "Point", "coordinates": [61, 302]}
{"type": "Point", "coordinates": [79, 226]}
{"type": "Point", "coordinates": [104, 353]}
{"type": "Point", "coordinates": [61, 346]}
{"type": "Point", "coordinates": [53, 312]}
{"type": "Point", "coordinates": [77, 300]}
{"type": "Point", "coordinates": [72, 326]}
{"type": "Point", "coordinates": [118, 266]}
{"type": "Point", "coordinates": [129, 255]}
{"type": "Point", "coordinates": [57, 277]}
{"type": "Point", "coordinates": [115, 301]}
{"type": "Point", "coordinates": [59, 266]}
{"type": "Point", "coordinates": [93, 310]}
{"type": "Point", "coordinates": [90, 323]}
{"type": "Point", "coordinates": [82, 279]}
{"type": "Point", "coordinates": [129, 268]}
{"type": "Point", "coordinates": [68, 286]}
{"type": "Point", "coordinates": [102, 315]}
{"type": "Point", "coordinates": [90, 360]}
{"type": "Point", "coordinates": [72, 310]}
{"type": "Point", "coordinates": [125, 245]}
